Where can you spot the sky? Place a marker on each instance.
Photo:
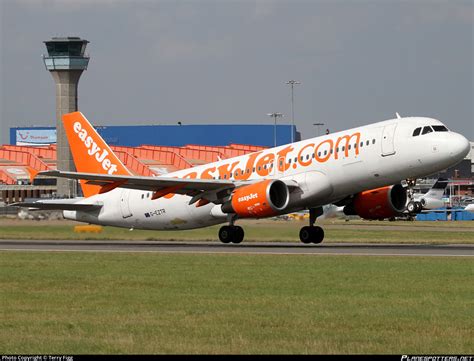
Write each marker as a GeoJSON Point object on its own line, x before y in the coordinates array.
{"type": "Point", "coordinates": [209, 62]}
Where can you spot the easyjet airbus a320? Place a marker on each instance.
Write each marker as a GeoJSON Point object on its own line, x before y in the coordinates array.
{"type": "Point", "coordinates": [359, 168]}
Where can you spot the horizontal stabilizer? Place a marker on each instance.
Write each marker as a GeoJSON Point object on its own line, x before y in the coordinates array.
{"type": "Point", "coordinates": [58, 204]}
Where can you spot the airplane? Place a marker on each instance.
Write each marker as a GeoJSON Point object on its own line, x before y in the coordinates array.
{"type": "Point", "coordinates": [331, 211]}
{"type": "Point", "coordinates": [469, 208]}
{"type": "Point", "coordinates": [360, 169]}
{"type": "Point", "coordinates": [432, 199]}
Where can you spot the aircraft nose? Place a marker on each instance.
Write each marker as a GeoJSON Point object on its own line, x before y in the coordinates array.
{"type": "Point", "coordinates": [459, 146]}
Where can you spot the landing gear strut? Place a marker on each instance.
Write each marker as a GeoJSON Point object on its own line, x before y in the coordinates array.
{"type": "Point", "coordinates": [312, 233]}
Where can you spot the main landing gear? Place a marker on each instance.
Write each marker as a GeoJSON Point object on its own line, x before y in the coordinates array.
{"type": "Point", "coordinates": [312, 233]}
{"type": "Point", "coordinates": [231, 234]}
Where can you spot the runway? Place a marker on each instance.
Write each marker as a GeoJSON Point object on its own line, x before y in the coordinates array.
{"type": "Point", "coordinates": [461, 250]}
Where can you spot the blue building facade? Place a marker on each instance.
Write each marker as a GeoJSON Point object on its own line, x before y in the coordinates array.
{"type": "Point", "coordinates": [172, 135]}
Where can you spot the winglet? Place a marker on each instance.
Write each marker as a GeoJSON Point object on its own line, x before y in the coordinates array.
{"type": "Point", "coordinates": [398, 116]}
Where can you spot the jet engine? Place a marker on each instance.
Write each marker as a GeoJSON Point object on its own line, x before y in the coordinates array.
{"type": "Point", "coordinates": [379, 203]}
{"type": "Point", "coordinates": [262, 199]}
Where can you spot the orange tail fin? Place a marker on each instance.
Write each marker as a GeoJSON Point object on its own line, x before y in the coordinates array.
{"type": "Point", "coordinates": [90, 152]}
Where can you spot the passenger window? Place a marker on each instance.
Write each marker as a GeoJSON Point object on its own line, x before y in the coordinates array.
{"type": "Point", "coordinates": [325, 152]}
{"type": "Point", "coordinates": [439, 128]}
{"type": "Point", "coordinates": [427, 130]}
{"type": "Point", "coordinates": [343, 148]}
{"type": "Point", "coordinates": [416, 132]}
{"type": "Point", "coordinates": [367, 143]}
{"type": "Point", "coordinates": [349, 147]}
{"type": "Point", "coordinates": [361, 144]}
{"type": "Point", "coordinates": [373, 141]}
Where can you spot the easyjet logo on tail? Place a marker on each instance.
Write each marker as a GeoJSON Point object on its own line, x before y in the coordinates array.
{"type": "Point", "coordinates": [100, 155]}
{"type": "Point", "coordinates": [90, 152]}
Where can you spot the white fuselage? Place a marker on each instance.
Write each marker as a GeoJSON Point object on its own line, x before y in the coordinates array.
{"type": "Point", "coordinates": [325, 170]}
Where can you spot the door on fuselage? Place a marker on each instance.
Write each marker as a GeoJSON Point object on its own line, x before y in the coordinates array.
{"type": "Point", "coordinates": [388, 140]}
{"type": "Point", "coordinates": [125, 203]}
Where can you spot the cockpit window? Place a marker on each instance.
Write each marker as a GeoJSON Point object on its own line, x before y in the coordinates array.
{"type": "Point", "coordinates": [427, 130]}
{"type": "Point", "coordinates": [439, 128]}
{"type": "Point", "coordinates": [416, 132]}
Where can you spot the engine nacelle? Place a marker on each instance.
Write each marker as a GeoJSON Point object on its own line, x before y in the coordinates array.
{"type": "Point", "coordinates": [262, 199]}
{"type": "Point", "coordinates": [379, 203]}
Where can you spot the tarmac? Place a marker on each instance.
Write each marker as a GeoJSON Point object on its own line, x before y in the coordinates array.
{"type": "Point", "coordinates": [275, 248]}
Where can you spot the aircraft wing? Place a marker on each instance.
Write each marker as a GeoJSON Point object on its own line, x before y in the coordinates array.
{"type": "Point", "coordinates": [58, 204]}
{"type": "Point", "coordinates": [211, 189]}
{"type": "Point", "coordinates": [183, 186]}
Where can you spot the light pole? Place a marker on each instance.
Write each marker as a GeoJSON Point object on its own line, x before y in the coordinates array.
{"type": "Point", "coordinates": [318, 125]}
{"type": "Point", "coordinates": [275, 116]}
{"type": "Point", "coordinates": [292, 83]}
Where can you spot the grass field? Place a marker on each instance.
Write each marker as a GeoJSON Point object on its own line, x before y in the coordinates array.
{"type": "Point", "coordinates": [262, 230]}
{"type": "Point", "coordinates": [68, 303]}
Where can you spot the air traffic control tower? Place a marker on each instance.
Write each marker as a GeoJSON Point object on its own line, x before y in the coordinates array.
{"type": "Point", "coordinates": [66, 60]}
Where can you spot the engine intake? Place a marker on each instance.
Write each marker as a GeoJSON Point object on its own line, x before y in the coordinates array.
{"type": "Point", "coordinates": [379, 203]}
{"type": "Point", "coordinates": [262, 199]}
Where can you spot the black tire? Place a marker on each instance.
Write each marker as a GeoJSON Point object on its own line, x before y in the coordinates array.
{"type": "Point", "coordinates": [318, 235]}
{"type": "Point", "coordinates": [411, 207]}
{"type": "Point", "coordinates": [226, 234]}
{"type": "Point", "coordinates": [418, 207]}
{"type": "Point", "coordinates": [306, 234]}
{"type": "Point", "coordinates": [238, 234]}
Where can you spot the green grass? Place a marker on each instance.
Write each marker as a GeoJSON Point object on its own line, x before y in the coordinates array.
{"type": "Point", "coordinates": [371, 232]}
{"type": "Point", "coordinates": [68, 303]}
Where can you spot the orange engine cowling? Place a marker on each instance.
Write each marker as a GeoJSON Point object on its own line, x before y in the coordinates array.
{"type": "Point", "coordinates": [262, 199]}
{"type": "Point", "coordinates": [379, 203]}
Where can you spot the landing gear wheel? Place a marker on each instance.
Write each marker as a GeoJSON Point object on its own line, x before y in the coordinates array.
{"type": "Point", "coordinates": [418, 207]}
{"type": "Point", "coordinates": [228, 234]}
{"type": "Point", "coordinates": [318, 234]}
{"type": "Point", "coordinates": [411, 207]}
{"type": "Point", "coordinates": [305, 234]}
{"type": "Point", "coordinates": [238, 234]}
{"type": "Point", "coordinates": [310, 234]}
{"type": "Point", "coordinates": [225, 234]}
